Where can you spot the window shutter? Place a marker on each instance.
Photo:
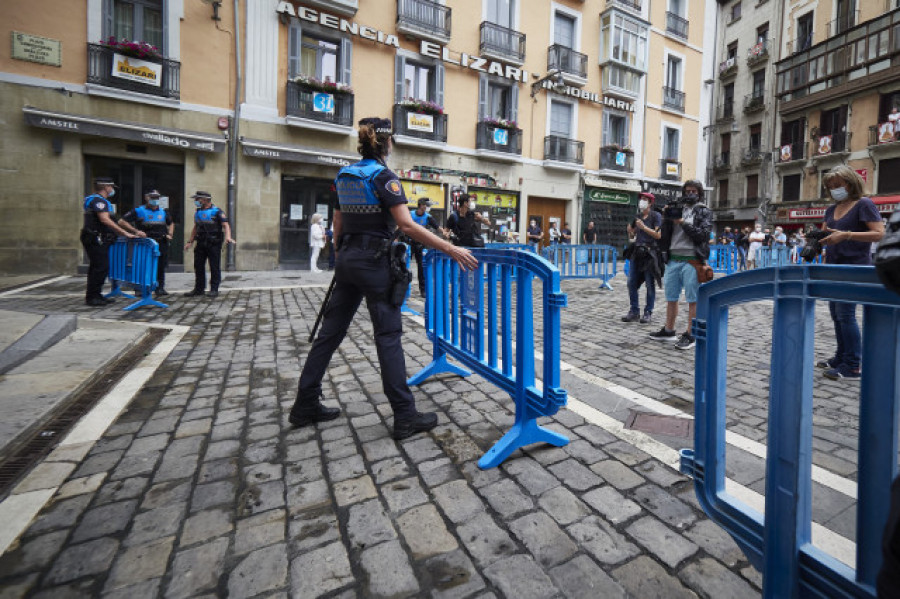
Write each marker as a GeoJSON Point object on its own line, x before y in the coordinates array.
{"type": "Point", "coordinates": [604, 135]}
{"type": "Point", "coordinates": [514, 103]}
{"type": "Point", "coordinates": [399, 67]}
{"type": "Point", "coordinates": [294, 49]}
{"type": "Point", "coordinates": [108, 26]}
{"type": "Point", "coordinates": [346, 60]}
{"type": "Point", "coordinates": [439, 84]}
{"type": "Point", "coordinates": [482, 96]}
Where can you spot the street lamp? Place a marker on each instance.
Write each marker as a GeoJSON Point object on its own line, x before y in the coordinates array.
{"type": "Point", "coordinates": [559, 85]}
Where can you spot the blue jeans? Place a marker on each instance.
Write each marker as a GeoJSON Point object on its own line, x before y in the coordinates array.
{"type": "Point", "coordinates": [846, 332]}
{"type": "Point", "coordinates": [742, 254]}
{"type": "Point", "coordinates": [636, 278]}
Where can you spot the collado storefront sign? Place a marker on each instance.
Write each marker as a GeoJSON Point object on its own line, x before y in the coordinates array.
{"type": "Point", "coordinates": [605, 195]}
{"type": "Point", "coordinates": [135, 69]}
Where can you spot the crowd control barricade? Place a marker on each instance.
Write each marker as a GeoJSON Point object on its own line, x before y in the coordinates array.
{"type": "Point", "coordinates": [724, 259]}
{"type": "Point", "coordinates": [405, 309]}
{"type": "Point", "coordinates": [510, 246]}
{"type": "Point", "coordinates": [470, 316]}
{"type": "Point", "coordinates": [584, 261]}
{"type": "Point", "coordinates": [134, 262]}
{"type": "Point", "coordinates": [779, 542]}
{"type": "Point", "coordinates": [773, 256]}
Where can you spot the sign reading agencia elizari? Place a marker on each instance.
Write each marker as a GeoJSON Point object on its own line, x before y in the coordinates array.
{"type": "Point", "coordinates": [433, 50]}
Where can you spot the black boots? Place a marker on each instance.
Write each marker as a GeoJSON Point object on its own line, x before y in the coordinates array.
{"type": "Point", "coordinates": [194, 293]}
{"type": "Point", "coordinates": [318, 413]}
{"type": "Point", "coordinates": [419, 423]}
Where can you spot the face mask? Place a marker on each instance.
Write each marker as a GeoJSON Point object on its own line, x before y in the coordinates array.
{"type": "Point", "coordinates": [472, 205]}
{"type": "Point", "coordinates": [839, 195]}
{"type": "Point", "coordinates": [111, 193]}
{"type": "Point", "coordinates": [532, 223]}
{"type": "Point", "coordinates": [196, 203]}
{"type": "Point", "coordinates": [758, 230]}
{"type": "Point", "coordinates": [427, 209]}
{"type": "Point", "coordinates": [691, 199]}
{"type": "Point", "coordinates": [643, 205]}
{"type": "Point", "coordinates": [153, 202]}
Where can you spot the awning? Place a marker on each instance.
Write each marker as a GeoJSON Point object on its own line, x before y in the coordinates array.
{"type": "Point", "coordinates": [140, 132]}
{"type": "Point", "coordinates": [887, 204]}
{"type": "Point", "coordinates": [290, 153]}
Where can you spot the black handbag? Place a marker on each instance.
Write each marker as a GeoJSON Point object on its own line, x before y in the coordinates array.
{"type": "Point", "coordinates": [628, 252]}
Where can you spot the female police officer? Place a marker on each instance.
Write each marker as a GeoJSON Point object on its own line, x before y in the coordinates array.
{"type": "Point", "coordinates": [370, 201]}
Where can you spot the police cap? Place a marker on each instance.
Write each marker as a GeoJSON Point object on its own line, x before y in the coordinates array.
{"type": "Point", "coordinates": [382, 126]}
{"type": "Point", "coordinates": [424, 202]}
{"type": "Point", "coordinates": [104, 181]}
{"type": "Point", "coordinates": [202, 195]}
{"type": "Point", "coordinates": [152, 193]}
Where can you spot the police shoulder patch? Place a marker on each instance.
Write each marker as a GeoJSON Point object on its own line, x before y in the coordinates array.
{"type": "Point", "coordinates": [393, 186]}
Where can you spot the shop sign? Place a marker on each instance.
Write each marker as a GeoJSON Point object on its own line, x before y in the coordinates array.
{"type": "Point", "coordinates": [864, 173]}
{"type": "Point", "coordinates": [416, 121]}
{"type": "Point", "coordinates": [135, 69]}
{"type": "Point", "coordinates": [887, 205]}
{"type": "Point", "coordinates": [323, 102]}
{"type": "Point", "coordinates": [415, 190]}
{"type": "Point", "coordinates": [618, 104]}
{"type": "Point", "coordinates": [333, 22]}
{"type": "Point", "coordinates": [490, 197]}
{"type": "Point", "coordinates": [268, 150]}
{"type": "Point", "coordinates": [672, 169]}
{"type": "Point", "coordinates": [807, 213]}
{"type": "Point", "coordinates": [608, 196]}
{"type": "Point", "coordinates": [661, 191]}
{"type": "Point", "coordinates": [35, 48]}
{"type": "Point", "coordinates": [501, 137]}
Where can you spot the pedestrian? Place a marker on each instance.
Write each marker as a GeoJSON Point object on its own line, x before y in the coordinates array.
{"type": "Point", "coordinates": [150, 220]}
{"type": "Point", "coordinates": [465, 228]}
{"type": "Point", "coordinates": [534, 234]}
{"type": "Point", "coordinates": [98, 232]}
{"type": "Point", "coordinates": [422, 217]}
{"type": "Point", "coordinates": [316, 241]}
{"type": "Point", "coordinates": [756, 239]}
{"type": "Point", "coordinates": [370, 200]}
{"type": "Point", "coordinates": [854, 223]}
{"type": "Point", "coordinates": [589, 236]}
{"type": "Point", "coordinates": [554, 233]}
{"type": "Point", "coordinates": [211, 228]}
{"type": "Point", "coordinates": [566, 234]}
{"type": "Point", "coordinates": [644, 268]}
{"type": "Point", "coordinates": [329, 235]}
{"type": "Point", "coordinates": [685, 246]}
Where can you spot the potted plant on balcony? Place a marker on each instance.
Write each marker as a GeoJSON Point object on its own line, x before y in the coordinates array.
{"type": "Point", "coordinates": [755, 103]}
{"type": "Point", "coordinates": [500, 123]}
{"type": "Point", "coordinates": [125, 47]}
{"type": "Point", "coordinates": [618, 148]}
{"type": "Point", "coordinates": [327, 86]}
{"type": "Point", "coordinates": [421, 106]}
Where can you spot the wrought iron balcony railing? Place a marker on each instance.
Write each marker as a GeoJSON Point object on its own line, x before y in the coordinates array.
{"type": "Point", "coordinates": [497, 139]}
{"type": "Point", "coordinates": [410, 123]}
{"type": "Point", "coordinates": [424, 18]}
{"type": "Point", "coordinates": [634, 5]}
{"type": "Point", "coordinates": [830, 143]}
{"type": "Point", "coordinates": [164, 81]}
{"type": "Point", "coordinates": [616, 159]}
{"type": "Point", "coordinates": [673, 98]}
{"type": "Point", "coordinates": [885, 132]}
{"type": "Point", "coordinates": [567, 61]}
{"type": "Point", "coordinates": [503, 43]}
{"type": "Point", "coordinates": [676, 25]}
{"type": "Point", "coordinates": [723, 161]}
{"type": "Point", "coordinates": [758, 52]}
{"type": "Point", "coordinates": [563, 149]}
{"type": "Point", "coordinates": [753, 155]}
{"type": "Point", "coordinates": [725, 111]}
{"type": "Point", "coordinates": [754, 102]}
{"type": "Point", "coordinates": [789, 152]}
{"type": "Point", "coordinates": [306, 102]}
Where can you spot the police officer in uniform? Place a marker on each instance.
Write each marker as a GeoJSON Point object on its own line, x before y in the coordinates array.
{"type": "Point", "coordinates": [370, 202]}
{"type": "Point", "coordinates": [97, 234]}
{"type": "Point", "coordinates": [157, 224]}
{"type": "Point", "coordinates": [210, 223]}
{"type": "Point", "coordinates": [422, 218]}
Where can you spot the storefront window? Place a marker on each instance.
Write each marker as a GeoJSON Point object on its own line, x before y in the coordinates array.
{"type": "Point", "coordinates": [502, 207]}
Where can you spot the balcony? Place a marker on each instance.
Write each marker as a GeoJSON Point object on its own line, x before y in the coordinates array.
{"type": "Point", "coordinates": [754, 102]}
{"type": "Point", "coordinates": [676, 25]}
{"type": "Point", "coordinates": [572, 64]}
{"type": "Point", "coordinates": [752, 156]}
{"type": "Point", "coordinates": [162, 78]}
{"type": "Point", "coordinates": [410, 123]}
{"type": "Point", "coordinates": [829, 144]}
{"type": "Point", "coordinates": [490, 138]}
{"type": "Point", "coordinates": [670, 169]}
{"type": "Point", "coordinates": [722, 162]}
{"type": "Point", "coordinates": [728, 68]}
{"type": "Point", "coordinates": [790, 152]}
{"type": "Point", "coordinates": [758, 53]}
{"type": "Point", "coordinates": [725, 111]}
{"type": "Point", "coordinates": [843, 23]}
{"type": "Point", "coordinates": [673, 99]}
{"type": "Point", "coordinates": [882, 133]}
{"type": "Point", "coordinates": [309, 102]}
{"type": "Point", "coordinates": [616, 159]}
{"type": "Point", "coordinates": [502, 43]}
{"type": "Point", "coordinates": [750, 202]}
{"type": "Point", "coordinates": [563, 149]}
{"type": "Point", "coordinates": [634, 5]}
{"type": "Point", "coordinates": [424, 19]}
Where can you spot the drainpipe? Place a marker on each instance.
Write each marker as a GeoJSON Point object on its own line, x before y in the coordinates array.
{"type": "Point", "coordinates": [233, 138]}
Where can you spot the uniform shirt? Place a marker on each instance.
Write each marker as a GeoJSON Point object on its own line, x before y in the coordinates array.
{"type": "Point", "coordinates": [366, 192]}
{"type": "Point", "coordinates": [426, 220]}
{"type": "Point", "coordinates": [154, 221]}
{"type": "Point", "coordinates": [93, 206]}
{"type": "Point", "coordinates": [209, 222]}
{"type": "Point", "coordinates": [856, 219]}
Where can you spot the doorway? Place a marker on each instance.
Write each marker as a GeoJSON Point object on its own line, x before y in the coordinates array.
{"type": "Point", "coordinates": [301, 197]}
{"type": "Point", "coordinates": [543, 210]}
{"type": "Point", "coordinates": [134, 178]}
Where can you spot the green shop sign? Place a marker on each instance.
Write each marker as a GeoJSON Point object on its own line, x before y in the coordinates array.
{"type": "Point", "coordinates": [605, 195]}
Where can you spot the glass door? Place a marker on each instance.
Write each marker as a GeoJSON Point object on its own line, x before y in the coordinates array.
{"type": "Point", "coordinates": [301, 197]}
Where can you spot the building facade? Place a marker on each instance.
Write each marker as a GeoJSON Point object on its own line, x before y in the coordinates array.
{"type": "Point", "coordinates": [545, 111]}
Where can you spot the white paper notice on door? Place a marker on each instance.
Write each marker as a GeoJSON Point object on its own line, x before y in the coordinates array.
{"type": "Point", "coordinates": [296, 211]}
{"type": "Point", "coordinates": [322, 209]}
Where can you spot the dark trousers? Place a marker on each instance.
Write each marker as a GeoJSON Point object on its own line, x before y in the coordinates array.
{"type": "Point", "coordinates": [846, 333]}
{"type": "Point", "coordinates": [637, 277]}
{"type": "Point", "coordinates": [211, 251]}
{"type": "Point", "coordinates": [417, 251]}
{"type": "Point", "coordinates": [163, 262]}
{"type": "Point", "coordinates": [359, 275]}
{"type": "Point", "coordinates": [98, 264]}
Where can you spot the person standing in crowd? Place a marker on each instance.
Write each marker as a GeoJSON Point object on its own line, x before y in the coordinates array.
{"type": "Point", "coordinates": [210, 224]}
{"type": "Point", "coordinates": [566, 234]}
{"type": "Point", "coordinates": [370, 201]}
{"type": "Point", "coordinates": [740, 236]}
{"type": "Point", "coordinates": [98, 232]}
{"type": "Point", "coordinates": [464, 227]}
{"type": "Point", "coordinates": [589, 236]}
{"type": "Point", "coordinates": [422, 218]}
{"type": "Point", "coordinates": [727, 237]}
{"type": "Point", "coordinates": [685, 243]}
{"type": "Point", "coordinates": [756, 238]}
{"type": "Point", "coordinates": [533, 235]}
{"type": "Point", "coordinates": [854, 223]}
{"type": "Point", "coordinates": [316, 241]}
{"type": "Point", "coordinates": [157, 224]}
{"type": "Point", "coordinates": [554, 233]}
{"type": "Point", "coordinates": [779, 239]}
{"type": "Point", "coordinates": [644, 266]}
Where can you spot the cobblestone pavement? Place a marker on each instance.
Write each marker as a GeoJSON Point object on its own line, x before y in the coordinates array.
{"type": "Point", "coordinates": [202, 488]}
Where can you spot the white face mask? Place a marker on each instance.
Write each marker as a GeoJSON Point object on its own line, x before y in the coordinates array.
{"type": "Point", "coordinates": [153, 202]}
{"type": "Point", "coordinates": [111, 193]}
{"type": "Point", "coordinates": [643, 205]}
{"type": "Point", "coordinates": [532, 223]}
{"type": "Point", "coordinates": [427, 209]}
{"type": "Point", "coordinates": [472, 205]}
{"type": "Point", "coordinates": [196, 203]}
{"type": "Point", "coordinates": [839, 195]}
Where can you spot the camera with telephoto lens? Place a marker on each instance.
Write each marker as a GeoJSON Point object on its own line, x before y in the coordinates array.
{"type": "Point", "coordinates": [813, 244]}
{"type": "Point", "coordinates": [674, 209]}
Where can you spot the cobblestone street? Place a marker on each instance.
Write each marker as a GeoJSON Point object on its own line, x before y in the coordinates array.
{"type": "Point", "coordinates": [202, 488]}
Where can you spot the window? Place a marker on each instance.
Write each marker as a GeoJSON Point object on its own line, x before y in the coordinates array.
{"type": "Point", "coordinates": [752, 186]}
{"type": "Point", "coordinates": [726, 143]}
{"type": "Point", "coordinates": [564, 30]}
{"type": "Point", "coordinates": [804, 32]}
{"type": "Point", "coordinates": [421, 80]}
{"type": "Point", "coordinates": [501, 12]}
{"type": "Point", "coordinates": [561, 118]}
{"type": "Point", "coordinates": [136, 20]}
{"type": "Point", "coordinates": [790, 188]}
{"type": "Point", "coordinates": [625, 41]}
{"type": "Point", "coordinates": [731, 51]}
{"type": "Point", "coordinates": [735, 12]}
{"type": "Point", "coordinates": [834, 123]}
{"type": "Point", "coordinates": [497, 99]}
{"type": "Point", "coordinates": [728, 100]}
{"type": "Point", "coordinates": [889, 176]}
{"type": "Point", "coordinates": [888, 101]}
{"type": "Point", "coordinates": [621, 78]}
{"type": "Point", "coordinates": [315, 55]}
{"type": "Point", "coordinates": [673, 72]}
{"type": "Point", "coordinates": [792, 131]}
{"type": "Point", "coordinates": [723, 193]}
{"type": "Point", "coordinates": [677, 7]}
{"type": "Point", "coordinates": [762, 33]}
{"type": "Point", "coordinates": [670, 144]}
{"type": "Point", "coordinates": [615, 129]}
{"type": "Point", "coordinates": [756, 137]}
{"type": "Point", "coordinates": [759, 83]}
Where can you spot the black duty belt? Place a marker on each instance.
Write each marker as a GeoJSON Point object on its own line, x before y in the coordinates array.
{"type": "Point", "coordinates": [365, 242]}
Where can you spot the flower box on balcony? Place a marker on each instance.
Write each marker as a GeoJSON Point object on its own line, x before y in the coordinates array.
{"type": "Point", "coordinates": [728, 67]}
{"type": "Point", "coordinates": [132, 49]}
{"type": "Point", "coordinates": [500, 124]}
{"type": "Point", "coordinates": [421, 107]}
{"type": "Point", "coordinates": [328, 87]}
{"type": "Point", "coordinates": [617, 148]}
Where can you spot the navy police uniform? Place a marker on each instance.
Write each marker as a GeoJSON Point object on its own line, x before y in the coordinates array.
{"type": "Point", "coordinates": [209, 247]}
{"type": "Point", "coordinates": [96, 239]}
{"type": "Point", "coordinates": [417, 249]}
{"type": "Point", "coordinates": [366, 192]}
{"type": "Point", "coordinates": [154, 221]}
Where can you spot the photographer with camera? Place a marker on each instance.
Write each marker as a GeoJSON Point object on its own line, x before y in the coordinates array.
{"type": "Point", "coordinates": [644, 258]}
{"type": "Point", "coordinates": [853, 224]}
{"type": "Point", "coordinates": [463, 228]}
{"type": "Point", "coordinates": [687, 223]}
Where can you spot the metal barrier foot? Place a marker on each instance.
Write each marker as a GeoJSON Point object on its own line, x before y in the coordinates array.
{"type": "Point", "coordinates": [437, 366]}
{"type": "Point", "coordinates": [606, 285]}
{"type": "Point", "coordinates": [117, 292]}
{"type": "Point", "coordinates": [145, 301]}
{"type": "Point", "coordinates": [404, 309]}
{"type": "Point", "coordinates": [521, 434]}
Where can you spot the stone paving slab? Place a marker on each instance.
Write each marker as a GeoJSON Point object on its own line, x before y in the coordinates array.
{"type": "Point", "coordinates": [209, 490]}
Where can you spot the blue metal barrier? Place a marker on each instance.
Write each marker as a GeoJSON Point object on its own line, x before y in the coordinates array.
{"type": "Point", "coordinates": [469, 316]}
{"type": "Point", "coordinates": [405, 309]}
{"type": "Point", "coordinates": [779, 543]}
{"type": "Point", "coordinates": [510, 246]}
{"type": "Point", "coordinates": [724, 259]}
{"type": "Point", "coordinates": [134, 262]}
{"type": "Point", "coordinates": [773, 256]}
{"type": "Point", "coordinates": [584, 261]}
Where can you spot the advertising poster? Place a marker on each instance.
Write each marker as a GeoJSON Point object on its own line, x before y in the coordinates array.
{"type": "Point", "coordinates": [135, 69]}
{"type": "Point", "coordinates": [419, 189]}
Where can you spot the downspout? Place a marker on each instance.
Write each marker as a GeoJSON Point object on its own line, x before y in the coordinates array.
{"type": "Point", "coordinates": [233, 138]}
